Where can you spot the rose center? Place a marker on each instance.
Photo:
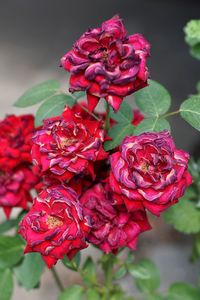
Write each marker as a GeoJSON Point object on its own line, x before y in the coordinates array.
{"type": "Point", "coordinates": [53, 222]}
{"type": "Point", "coordinates": [145, 167]}
{"type": "Point", "coordinates": [65, 142]}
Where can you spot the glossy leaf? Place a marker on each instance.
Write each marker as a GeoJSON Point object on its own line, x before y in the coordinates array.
{"type": "Point", "coordinates": [118, 132]}
{"type": "Point", "coordinates": [195, 51]}
{"type": "Point", "coordinates": [184, 216]}
{"type": "Point", "coordinates": [11, 251]}
{"type": "Point", "coordinates": [152, 124]}
{"type": "Point", "coordinates": [120, 273]}
{"type": "Point", "coordinates": [28, 274]}
{"type": "Point", "coordinates": [88, 271]}
{"type": "Point", "coordinates": [38, 93]}
{"type": "Point", "coordinates": [53, 107]}
{"type": "Point", "coordinates": [74, 292]}
{"type": "Point", "coordinates": [92, 294]}
{"type": "Point", "coordinates": [198, 86]}
{"type": "Point", "coordinates": [152, 282]}
{"type": "Point", "coordinates": [74, 263]}
{"type": "Point", "coordinates": [153, 100]}
{"type": "Point", "coordinates": [190, 111]}
{"type": "Point", "coordinates": [180, 291]}
{"type": "Point", "coordinates": [124, 114]}
{"type": "Point", "coordinates": [8, 224]}
{"type": "Point", "coordinates": [6, 284]}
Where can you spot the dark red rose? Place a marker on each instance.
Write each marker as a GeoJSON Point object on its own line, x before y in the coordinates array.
{"type": "Point", "coordinates": [55, 226]}
{"type": "Point", "coordinates": [149, 172]}
{"type": "Point", "coordinates": [107, 63]}
{"type": "Point", "coordinates": [15, 187]}
{"type": "Point", "coordinates": [15, 139]}
{"type": "Point", "coordinates": [112, 226]}
{"type": "Point", "coordinates": [68, 145]}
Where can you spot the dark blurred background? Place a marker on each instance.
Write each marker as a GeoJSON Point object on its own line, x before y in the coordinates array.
{"type": "Point", "coordinates": [35, 34]}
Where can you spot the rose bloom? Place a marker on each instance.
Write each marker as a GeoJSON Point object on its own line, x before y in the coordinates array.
{"type": "Point", "coordinates": [15, 188]}
{"type": "Point", "coordinates": [15, 139]}
{"type": "Point", "coordinates": [54, 226]}
{"type": "Point", "coordinates": [112, 227]}
{"type": "Point", "coordinates": [149, 172]}
{"type": "Point", "coordinates": [107, 63]}
{"type": "Point", "coordinates": [68, 145]}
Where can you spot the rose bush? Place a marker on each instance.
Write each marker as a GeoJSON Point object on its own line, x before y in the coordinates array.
{"type": "Point", "coordinates": [96, 174]}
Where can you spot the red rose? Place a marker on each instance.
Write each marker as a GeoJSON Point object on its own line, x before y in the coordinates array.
{"type": "Point", "coordinates": [149, 172]}
{"type": "Point", "coordinates": [112, 227]}
{"type": "Point", "coordinates": [67, 146]}
{"type": "Point", "coordinates": [15, 139]}
{"type": "Point", "coordinates": [54, 226]}
{"type": "Point", "coordinates": [15, 188]}
{"type": "Point", "coordinates": [108, 64]}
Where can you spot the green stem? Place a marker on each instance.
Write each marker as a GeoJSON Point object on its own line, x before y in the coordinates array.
{"type": "Point", "coordinates": [89, 112]}
{"type": "Point", "coordinates": [108, 271]}
{"type": "Point", "coordinates": [171, 114]}
{"type": "Point", "coordinates": [107, 120]}
{"type": "Point", "coordinates": [57, 279]}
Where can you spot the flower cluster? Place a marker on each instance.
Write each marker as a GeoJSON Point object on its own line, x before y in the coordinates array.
{"type": "Point", "coordinates": [16, 176]}
{"type": "Point", "coordinates": [107, 63]}
{"type": "Point", "coordinates": [85, 194]}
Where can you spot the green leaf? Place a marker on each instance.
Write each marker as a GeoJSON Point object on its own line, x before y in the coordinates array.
{"type": "Point", "coordinates": [152, 124]}
{"type": "Point", "coordinates": [7, 225]}
{"type": "Point", "coordinates": [138, 271]}
{"type": "Point", "coordinates": [184, 216]}
{"type": "Point", "coordinates": [38, 93]}
{"type": "Point", "coordinates": [124, 114]}
{"type": "Point", "coordinates": [155, 297]}
{"type": "Point", "coordinates": [198, 87]}
{"type": "Point", "coordinates": [28, 274]}
{"type": "Point", "coordinates": [11, 251]}
{"type": "Point", "coordinates": [88, 272]}
{"type": "Point", "coordinates": [74, 292]}
{"type": "Point", "coordinates": [150, 284]}
{"type": "Point", "coordinates": [6, 284]}
{"type": "Point", "coordinates": [92, 294]}
{"type": "Point", "coordinates": [117, 133]}
{"type": "Point", "coordinates": [120, 273]}
{"type": "Point", "coordinates": [78, 95]}
{"type": "Point", "coordinates": [195, 51]}
{"type": "Point", "coordinates": [195, 248]}
{"type": "Point", "coordinates": [153, 100]}
{"type": "Point", "coordinates": [130, 257]}
{"type": "Point", "coordinates": [190, 111]}
{"type": "Point", "coordinates": [53, 107]}
{"type": "Point", "coordinates": [74, 263]}
{"type": "Point", "coordinates": [180, 291]}
{"type": "Point", "coordinates": [192, 32]}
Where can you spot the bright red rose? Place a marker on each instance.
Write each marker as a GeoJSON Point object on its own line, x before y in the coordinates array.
{"type": "Point", "coordinates": [67, 146]}
{"type": "Point", "coordinates": [15, 139]}
{"type": "Point", "coordinates": [112, 226]}
{"type": "Point", "coordinates": [15, 188]}
{"type": "Point", "coordinates": [107, 64]}
{"type": "Point", "coordinates": [55, 226]}
{"type": "Point", "coordinates": [149, 172]}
